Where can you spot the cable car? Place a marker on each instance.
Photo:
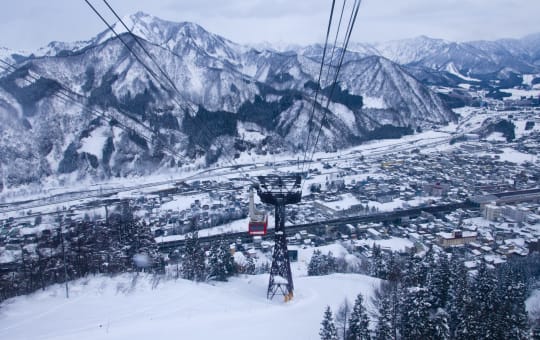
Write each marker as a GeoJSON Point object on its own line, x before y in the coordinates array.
{"type": "Point", "coordinates": [258, 227]}
{"type": "Point", "coordinates": [258, 220]}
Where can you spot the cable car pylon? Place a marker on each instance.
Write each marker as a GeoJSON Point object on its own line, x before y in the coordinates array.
{"type": "Point", "coordinates": [280, 191]}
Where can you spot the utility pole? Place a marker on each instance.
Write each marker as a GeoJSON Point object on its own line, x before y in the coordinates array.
{"type": "Point", "coordinates": [280, 191]}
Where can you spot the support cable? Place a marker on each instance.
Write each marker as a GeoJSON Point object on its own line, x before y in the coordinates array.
{"type": "Point", "coordinates": [350, 27]}
{"type": "Point", "coordinates": [314, 103]}
{"type": "Point", "coordinates": [195, 116]}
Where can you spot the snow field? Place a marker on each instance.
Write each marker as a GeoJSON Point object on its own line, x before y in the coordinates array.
{"type": "Point", "coordinates": [127, 307]}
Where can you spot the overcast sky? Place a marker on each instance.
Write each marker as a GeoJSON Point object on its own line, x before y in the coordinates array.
{"type": "Point", "coordinates": [29, 24]}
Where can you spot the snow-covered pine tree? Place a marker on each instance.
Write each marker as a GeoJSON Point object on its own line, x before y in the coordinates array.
{"type": "Point", "coordinates": [458, 298]}
{"type": "Point", "coordinates": [511, 313]}
{"type": "Point", "coordinates": [438, 325]}
{"type": "Point", "coordinates": [385, 321]}
{"type": "Point", "coordinates": [411, 271]}
{"type": "Point", "coordinates": [328, 328]}
{"type": "Point", "coordinates": [481, 317]}
{"type": "Point", "coordinates": [414, 322]}
{"type": "Point", "coordinates": [193, 259]}
{"type": "Point", "coordinates": [330, 264]}
{"type": "Point", "coordinates": [215, 269]}
{"type": "Point", "coordinates": [438, 282]}
{"type": "Point", "coordinates": [359, 321]}
{"type": "Point", "coordinates": [146, 246]}
{"type": "Point", "coordinates": [221, 262]}
{"type": "Point", "coordinates": [377, 266]}
{"type": "Point", "coordinates": [393, 271]}
{"type": "Point", "coordinates": [249, 267]}
{"type": "Point", "coordinates": [315, 263]}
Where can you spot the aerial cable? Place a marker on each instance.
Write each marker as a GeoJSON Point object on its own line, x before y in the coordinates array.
{"type": "Point", "coordinates": [111, 28]}
{"type": "Point", "coordinates": [145, 50]}
{"type": "Point", "coordinates": [131, 50]}
{"type": "Point", "coordinates": [136, 38]}
{"type": "Point", "coordinates": [310, 121]}
{"type": "Point", "coordinates": [335, 42]}
{"type": "Point", "coordinates": [68, 96]}
{"type": "Point", "coordinates": [350, 27]}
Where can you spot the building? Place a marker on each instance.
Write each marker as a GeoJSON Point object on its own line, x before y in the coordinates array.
{"type": "Point", "coordinates": [456, 238]}
{"type": "Point", "coordinates": [436, 189]}
{"type": "Point", "coordinates": [491, 212]}
{"type": "Point", "coordinates": [515, 213]}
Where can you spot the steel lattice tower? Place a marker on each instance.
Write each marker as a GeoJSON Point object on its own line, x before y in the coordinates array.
{"type": "Point", "coordinates": [280, 191]}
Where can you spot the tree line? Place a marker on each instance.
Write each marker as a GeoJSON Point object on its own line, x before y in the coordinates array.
{"type": "Point", "coordinates": [121, 243]}
{"type": "Point", "coordinates": [74, 249]}
{"type": "Point", "coordinates": [437, 297]}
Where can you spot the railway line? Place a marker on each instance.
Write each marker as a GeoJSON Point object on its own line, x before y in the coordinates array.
{"type": "Point", "coordinates": [527, 194]}
{"type": "Point", "coordinates": [166, 246]}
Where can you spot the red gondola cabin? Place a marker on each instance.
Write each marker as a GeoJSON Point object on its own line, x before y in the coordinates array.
{"type": "Point", "coordinates": [258, 227]}
{"type": "Point", "coordinates": [258, 220]}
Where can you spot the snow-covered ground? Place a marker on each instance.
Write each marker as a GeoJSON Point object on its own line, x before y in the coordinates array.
{"type": "Point", "coordinates": [131, 308]}
{"type": "Point", "coordinates": [518, 93]}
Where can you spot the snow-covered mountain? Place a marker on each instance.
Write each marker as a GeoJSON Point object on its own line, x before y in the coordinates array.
{"type": "Point", "coordinates": [124, 121]}
{"type": "Point", "coordinates": [475, 58]}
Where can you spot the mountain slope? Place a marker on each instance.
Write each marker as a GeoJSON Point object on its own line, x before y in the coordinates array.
{"type": "Point", "coordinates": [126, 122]}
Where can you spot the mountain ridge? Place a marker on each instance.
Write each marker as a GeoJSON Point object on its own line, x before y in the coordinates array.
{"type": "Point", "coordinates": [225, 88]}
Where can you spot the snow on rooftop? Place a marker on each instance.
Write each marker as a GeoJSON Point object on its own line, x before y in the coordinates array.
{"type": "Point", "coordinates": [393, 243]}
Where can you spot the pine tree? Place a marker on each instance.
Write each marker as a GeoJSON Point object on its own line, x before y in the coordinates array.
{"type": "Point", "coordinates": [393, 269]}
{"type": "Point", "coordinates": [377, 268]}
{"type": "Point", "coordinates": [221, 262]}
{"type": "Point", "coordinates": [411, 271]}
{"type": "Point", "coordinates": [512, 316]}
{"type": "Point", "coordinates": [193, 259]}
{"type": "Point", "coordinates": [481, 318]}
{"type": "Point", "coordinates": [415, 314]}
{"type": "Point", "coordinates": [215, 268]}
{"type": "Point", "coordinates": [330, 264]}
{"type": "Point", "coordinates": [385, 321]}
{"type": "Point", "coordinates": [438, 325]}
{"type": "Point", "coordinates": [315, 263]}
{"type": "Point", "coordinates": [342, 317]}
{"type": "Point", "coordinates": [438, 282]}
{"type": "Point", "coordinates": [328, 328]}
{"type": "Point", "coordinates": [359, 321]}
{"type": "Point", "coordinates": [458, 299]}
{"type": "Point", "coordinates": [249, 266]}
